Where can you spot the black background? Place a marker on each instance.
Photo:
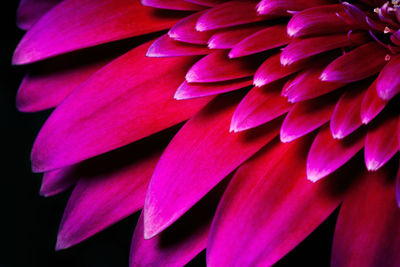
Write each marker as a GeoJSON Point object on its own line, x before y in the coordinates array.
{"type": "Point", "coordinates": [29, 222]}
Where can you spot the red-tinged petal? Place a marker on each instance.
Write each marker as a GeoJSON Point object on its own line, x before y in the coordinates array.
{"type": "Point", "coordinates": [381, 143]}
{"type": "Point", "coordinates": [346, 116]}
{"type": "Point", "coordinates": [368, 227]}
{"type": "Point", "coordinates": [180, 242]}
{"type": "Point", "coordinates": [358, 64]}
{"type": "Point", "coordinates": [192, 90]}
{"type": "Point", "coordinates": [303, 48]}
{"type": "Point", "coordinates": [281, 7]}
{"type": "Point", "coordinates": [328, 154]}
{"type": "Point", "coordinates": [210, 3]}
{"type": "Point", "coordinates": [318, 21]}
{"type": "Point", "coordinates": [117, 106]}
{"type": "Point", "coordinates": [307, 116]}
{"type": "Point", "coordinates": [218, 67]}
{"type": "Point", "coordinates": [77, 24]}
{"type": "Point", "coordinates": [30, 11]}
{"type": "Point", "coordinates": [372, 104]}
{"type": "Point", "coordinates": [269, 207]}
{"type": "Point", "coordinates": [172, 4]}
{"type": "Point", "coordinates": [199, 157]}
{"type": "Point", "coordinates": [110, 188]}
{"type": "Point", "coordinates": [398, 183]}
{"type": "Point", "coordinates": [272, 70]}
{"type": "Point", "coordinates": [167, 47]}
{"type": "Point", "coordinates": [228, 38]}
{"type": "Point", "coordinates": [185, 31]}
{"type": "Point", "coordinates": [259, 106]}
{"type": "Point", "coordinates": [269, 38]}
{"type": "Point", "coordinates": [57, 181]}
{"type": "Point", "coordinates": [388, 84]}
{"type": "Point", "coordinates": [232, 13]}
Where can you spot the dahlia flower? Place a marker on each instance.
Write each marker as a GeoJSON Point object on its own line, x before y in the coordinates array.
{"type": "Point", "coordinates": [284, 111]}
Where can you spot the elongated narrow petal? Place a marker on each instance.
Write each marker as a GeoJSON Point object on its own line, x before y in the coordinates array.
{"type": "Point", "coordinates": [356, 65]}
{"type": "Point", "coordinates": [317, 21]}
{"type": "Point", "coordinates": [269, 207]}
{"type": "Point", "coordinates": [183, 240]}
{"type": "Point", "coordinates": [232, 13]}
{"type": "Point", "coordinates": [192, 90]}
{"type": "Point", "coordinates": [77, 24]}
{"type": "Point", "coordinates": [230, 37]}
{"type": "Point", "coordinates": [381, 143]}
{"type": "Point", "coordinates": [199, 157]}
{"type": "Point", "coordinates": [117, 106]}
{"type": "Point", "coordinates": [372, 104]}
{"type": "Point", "coordinates": [368, 227]}
{"type": "Point", "coordinates": [281, 7]}
{"type": "Point", "coordinates": [185, 30]}
{"type": "Point", "coordinates": [218, 67]}
{"type": "Point", "coordinates": [30, 11]}
{"type": "Point", "coordinates": [328, 154]}
{"type": "Point", "coordinates": [307, 116]}
{"type": "Point", "coordinates": [346, 117]}
{"type": "Point", "coordinates": [209, 3]}
{"type": "Point", "coordinates": [172, 4]}
{"type": "Point", "coordinates": [259, 106]}
{"type": "Point", "coordinates": [269, 38]}
{"type": "Point", "coordinates": [57, 181]}
{"type": "Point", "coordinates": [388, 84]}
{"type": "Point", "coordinates": [109, 189]}
{"type": "Point", "coordinates": [165, 46]}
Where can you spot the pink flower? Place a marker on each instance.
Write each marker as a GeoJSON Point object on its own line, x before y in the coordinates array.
{"type": "Point", "coordinates": [326, 76]}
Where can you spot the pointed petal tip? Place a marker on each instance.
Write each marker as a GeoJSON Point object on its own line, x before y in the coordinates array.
{"type": "Point", "coordinates": [257, 82]}
{"type": "Point", "coordinates": [285, 61]}
{"type": "Point", "coordinates": [190, 76]}
{"type": "Point", "coordinates": [314, 176]}
{"type": "Point", "coordinates": [324, 77]}
{"type": "Point", "coordinates": [201, 27]}
{"type": "Point", "coordinates": [372, 165]}
{"type": "Point", "coordinates": [62, 243]}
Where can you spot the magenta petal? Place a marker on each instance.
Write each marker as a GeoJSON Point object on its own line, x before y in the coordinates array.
{"type": "Point", "coordinates": [165, 46]}
{"type": "Point", "coordinates": [307, 116]}
{"type": "Point", "coordinates": [259, 106]}
{"type": "Point", "coordinates": [284, 7]}
{"type": "Point", "coordinates": [57, 181]}
{"type": "Point", "coordinates": [200, 156]}
{"type": "Point", "coordinates": [209, 3]}
{"type": "Point", "coordinates": [30, 11]}
{"type": "Point", "coordinates": [229, 37]}
{"type": "Point", "coordinates": [346, 116]}
{"type": "Point", "coordinates": [328, 154]}
{"type": "Point", "coordinates": [110, 188]}
{"type": "Point", "coordinates": [77, 24]}
{"type": "Point", "coordinates": [172, 4]}
{"type": "Point", "coordinates": [388, 84]}
{"type": "Point", "coordinates": [360, 63]}
{"type": "Point", "coordinates": [372, 104]}
{"type": "Point", "coordinates": [268, 208]}
{"type": "Point", "coordinates": [180, 242]}
{"type": "Point", "coordinates": [381, 143]}
{"type": "Point", "coordinates": [368, 227]}
{"type": "Point", "coordinates": [117, 106]}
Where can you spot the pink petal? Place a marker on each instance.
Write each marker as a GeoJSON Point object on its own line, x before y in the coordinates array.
{"type": "Point", "coordinates": [269, 38]}
{"type": "Point", "coordinates": [192, 90]}
{"type": "Point", "coordinates": [209, 3]}
{"type": "Point", "coordinates": [218, 67]}
{"type": "Point", "coordinates": [328, 154]}
{"type": "Point", "coordinates": [167, 47]}
{"type": "Point", "coordinates": [368, 227]}
{"type": "Point", "coordinates": [231, 36]}
{"type": "Point", "coordinates": [30, 11]}
{"type": "Point", "coordinates": [77, 24]}
{"type": "Point", "coordinates": [259, 106]}
{"type": "Point", "coordinates": [307, 116]}
{"type": "Point", "coordinates": [372, 104]}
{"type": "Point", "coordinates": [57, 181]}
{"type": "Point", "coordinates": [318, 20]}
{"type": "Point", "coordinates": [200, 156]}
{"type": "Point", "coordinates": [398, 185]}
{"type": "Point", "coordinates": [283, 7]}
{"type": "Point", "coordinates": [268, 208]}
{"type": "Point", "coordinates": [117, 106]}
{"type": "Point", "coordinates": [388, 84]}
{"type": "Point", "coordinates": [346, 116]}
{"type": "Point", "coordinates": [180, 242]}
{"type": "Point", "coordinates": [172, 4]}
{"type": "Point", "coordinates": [358, 64]}
{"type": "Point", "coordinates": [272, 70]}
{"type": "Point", "coordinates": [232, 13]}
{"type": "Point", "coordinates": [110, 188]}
{"type": "Point", "coordinates": [381, 143]}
